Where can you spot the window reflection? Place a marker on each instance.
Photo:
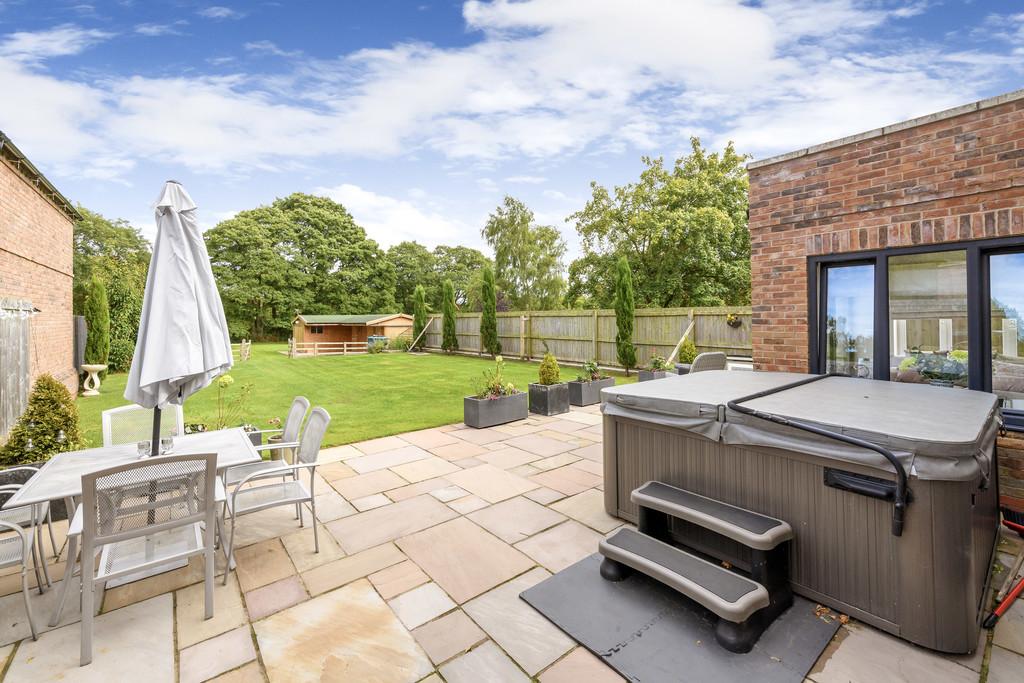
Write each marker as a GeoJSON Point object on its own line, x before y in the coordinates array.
{"type": "Point", "coordinates": [1007, 297]}
{"type": "Point", "coordinates": [928, 318]}
{"type": "Point", "coordinates": [849, 323]}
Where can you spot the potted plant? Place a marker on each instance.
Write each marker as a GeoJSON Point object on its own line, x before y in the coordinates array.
{"type": "Point", "coordinates": [687, 352]}
{"type": "Point", "coordinates": [657, 368]}
{"type": "Point", "coordinates": [495, 402]}
{"type": "Point", "coordinates": [585, 390]}
{"type": "Point", "coordinates": [550, 395]}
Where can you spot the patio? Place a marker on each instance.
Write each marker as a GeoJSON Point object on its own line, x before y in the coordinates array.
{"type": "Point", "coordinates": [431, 536]}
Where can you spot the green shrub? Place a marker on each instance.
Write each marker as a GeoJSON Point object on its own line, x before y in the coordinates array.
{"type": "Point", "coordinates": [121, 352]}
{"type": "Point", "coordinates": [493, 384]}
{"type": "Point", "coordinates": [400, 343]}
{"type": "Point", "coordinates": [489, 317]}
{"type": "Point", "coordinates": [657, 363]}
{"type": "Point", "coordinates": [549, 373]}
{"type": "Point", "coordinates": [687, 351]}
{"type": "Point", "coordinates": [449, 341]}
{"type": "Point", "coordinates": [591, 372]}
{"type": "Point", "coordinates": [49, 425]}
{"type": "Point", "coordinates": [419, 315]}
{"type": "Point", "coordinates": [377, 347]}
{"type": "Point", "coordinates": [97, 323]}
{"type": "Point", "coordinates": [124, 300]}
{"type": "Point", "coordinates": [624, 311]}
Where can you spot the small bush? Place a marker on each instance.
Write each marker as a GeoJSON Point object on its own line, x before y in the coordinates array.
{"type": "Point", "coordinates": [49, 425]}
{"type": "Point", "coordinates": [121, 352]}
{"type": "Point", "coordinates": [549, 373]}
{"type": "Point", "coordinates": [591, 372]}
{"type": "Point", "coordinates": [400, 344]}
{"type": "Point", "coordinates": [97, 322]}
{"type": "Point", "coordinates": [657, 363]}
{"type": "Point", "coordinates": [377, 347]}
{"type": "Point", "coordinates": [687, 351]}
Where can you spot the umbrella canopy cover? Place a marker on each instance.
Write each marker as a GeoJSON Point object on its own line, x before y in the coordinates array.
{"type": "Point", "coordinates": [183, 341]}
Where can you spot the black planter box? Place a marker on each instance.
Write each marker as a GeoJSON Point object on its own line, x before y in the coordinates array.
{"type": "Point", "coordinates": [549, 399]}
{"type": "Point", "coordinates": [256, 438]}
{"type": "Point", "coordinates": [588, 393]}
{"type": "Point", "coordinates": [487, 412]}
{"type": "Point", "coordinates": [683, 368]}
{"type": "Point", "coordinates": [648, 375]}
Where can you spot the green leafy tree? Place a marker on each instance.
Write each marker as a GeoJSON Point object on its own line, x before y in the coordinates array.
{"type": "Point", "coordinates": [527, 257]}
{"type": "Point", "coordinates": [49, 425]}
{"type": "Point", "coordinates": [109, 249]}
{"type": "Point", "coordinates": [449, 341]}
{"type": "Point", "coordinates": [97, 322]}
{"type": "Point", "coordinates": [461, 265]}
{"type": "Point", "coordinates": [624, 311]}
{"type": "Point", "coordinates": [124, 300]}
{"type": "Point", "coordinates": [419, 315]}
{"type": "Point", "coordinates": [683, 230]}
{"type": "Point", "coordinates": [489, 317]}
{"type": "Point", "coordinates": [300, 254]}
{"type": "Point", "coordinates": [415, 266]}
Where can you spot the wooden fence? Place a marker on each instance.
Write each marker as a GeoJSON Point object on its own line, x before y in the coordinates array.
{"type": "Point", "coordinates": [15, 317]}
{"type": "Point", "coordinates": [577, 336]}
{"type": "Point", "coordinates": [299, 349]}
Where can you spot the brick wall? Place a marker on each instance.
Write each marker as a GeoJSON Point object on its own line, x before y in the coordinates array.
{"type": "Point", "coordinates": [36, 264]}
{"type": "Point", "coordinates": [953, 176]}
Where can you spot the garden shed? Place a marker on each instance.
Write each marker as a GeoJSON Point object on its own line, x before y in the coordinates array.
{"type": "Point", "coordinates": [350, 328]}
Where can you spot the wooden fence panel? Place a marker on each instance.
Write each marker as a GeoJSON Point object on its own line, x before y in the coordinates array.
{"type": "Point", "coordinates": [576, 336]}
{"type": "Point", "coordinates": [14, 361]}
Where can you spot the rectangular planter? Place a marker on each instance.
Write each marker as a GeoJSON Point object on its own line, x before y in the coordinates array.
{"type": "Point", "coordinates": [648, 375]}
{"type": "Point", "coordinates": [487, 412]}
{"type": "Point", "coordinates": [588, 393]}
{"type": "Point", "coordinates": [683, 368]}
{"type": "Point", "coordinates": [549, 399]}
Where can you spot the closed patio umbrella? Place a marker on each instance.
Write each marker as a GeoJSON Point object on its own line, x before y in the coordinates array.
{"type": "Point", "coordinates": [183, 341]}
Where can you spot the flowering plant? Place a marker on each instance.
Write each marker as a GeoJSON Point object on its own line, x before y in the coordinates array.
{"type": "Point", "coordinates": [493, 384]}
{"type": "Point", "coordinates": [657, 363]}
{"type": "Point", "coordinates": [591, 372]}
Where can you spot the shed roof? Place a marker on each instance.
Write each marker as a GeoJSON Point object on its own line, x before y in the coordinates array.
{"type": "Point", "coordinates": [360, 319]}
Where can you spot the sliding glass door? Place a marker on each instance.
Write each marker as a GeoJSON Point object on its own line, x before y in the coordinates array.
{"type": "Point", "coordinates": [1006, 306]}
{"type": "Point", "coordinates": [849, 312]}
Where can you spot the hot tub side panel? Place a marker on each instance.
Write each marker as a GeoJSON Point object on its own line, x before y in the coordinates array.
{"type": "Point", "coordinates": [844, 554]}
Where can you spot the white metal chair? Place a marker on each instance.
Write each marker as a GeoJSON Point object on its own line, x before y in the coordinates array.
{"type": "Point", "coordinates": [710, 360]}
{"type": "Point", "coordinates": [15, 548]}
{"type": "Point", "coordinates": [22, 516]}
{"type": "Point", "coordinates": [137, 531]}
{"type": "Point", "coordinates": [289, 431]}
{"type": "Point", "coordinates": [132, 423]}
{"type": "Point", "coordinates": [244, 499]}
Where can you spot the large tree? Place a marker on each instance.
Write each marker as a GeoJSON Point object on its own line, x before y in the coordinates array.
{"type": "Point", "coordinates": [527, 257]}
{"type": "Point", "coordinates": [414, 266]}
{"type": "Point", "coordinates": [97, 323]}
{"type": "Point", "coordinates": [625, 351]}
{"type": "Point", "coordinates": [461, 265]}
{"type": "Point", "coordinates": [300, 254]}
{"type": "Point", "coordinates": [682, 229]}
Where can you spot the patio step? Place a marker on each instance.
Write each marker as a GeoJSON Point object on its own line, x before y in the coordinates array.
{"type": "Point", "coordinates": [750, 528]}
{"type": "Point", "coordinates": [731, 596]}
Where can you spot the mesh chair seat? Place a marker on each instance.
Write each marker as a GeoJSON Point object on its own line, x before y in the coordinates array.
{"type": "Point", "coordinates": [240, 472]}
{"type": "Point", "coordinates": [268, 495]}
{"type": "Point", "coordinates": [151, 549]}
{"type": "Point", "coordinates": [22, 516]}
{"type": "Point", "coordinates": [11, 549]}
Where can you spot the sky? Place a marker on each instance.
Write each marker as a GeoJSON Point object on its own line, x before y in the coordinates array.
{"type": "Point", "coordinates": [420, 115]}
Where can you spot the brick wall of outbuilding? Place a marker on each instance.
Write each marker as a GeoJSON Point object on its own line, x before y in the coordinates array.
{"type": "Point", "coordinates": [36, 264]}
{"type": "Point", "coordinates": [953, 176]}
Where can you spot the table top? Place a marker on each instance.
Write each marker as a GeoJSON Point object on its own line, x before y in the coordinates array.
{"type": "Point", "coordinates": [61, 476]}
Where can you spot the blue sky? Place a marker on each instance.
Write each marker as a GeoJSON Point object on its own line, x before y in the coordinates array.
{"type": "Point", "coordinates": [419, 116]}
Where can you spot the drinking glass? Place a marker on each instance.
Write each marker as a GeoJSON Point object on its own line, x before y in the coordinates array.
{"type": "Point", "coordinates": [166, 444]}
{"type": "Point", "coordinates": [144, 448]}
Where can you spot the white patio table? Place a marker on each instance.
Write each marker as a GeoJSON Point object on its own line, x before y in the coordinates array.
{"type": "Point", "coordinates": [60, 478]}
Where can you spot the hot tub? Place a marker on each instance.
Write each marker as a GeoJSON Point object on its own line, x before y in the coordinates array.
{"type": "Point", "coordinates": [927, 584]}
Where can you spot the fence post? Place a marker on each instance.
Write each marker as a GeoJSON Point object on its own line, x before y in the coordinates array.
{"type": "Point", "coordinates": [594, 356]}
{"type": "Point", "coordinates": [522, 336]}
{"type": "Point", "coordinates": [480, 334]}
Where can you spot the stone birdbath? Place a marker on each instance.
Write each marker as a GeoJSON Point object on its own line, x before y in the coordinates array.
{"type": "Point", "coordinates": [91, 385]}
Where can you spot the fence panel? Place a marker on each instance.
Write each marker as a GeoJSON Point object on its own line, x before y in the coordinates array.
{"type": "Point", "coordinates": [14, 359]}
{"type": "Point", "coordinates": [576, 336]}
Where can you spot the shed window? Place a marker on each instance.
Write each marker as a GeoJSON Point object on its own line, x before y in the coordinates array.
{"type": "Point", "coordinates": [316, 329]}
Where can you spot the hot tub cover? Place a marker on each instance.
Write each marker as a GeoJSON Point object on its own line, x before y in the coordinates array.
{"type": "Point", "coordinates": [935, 432]}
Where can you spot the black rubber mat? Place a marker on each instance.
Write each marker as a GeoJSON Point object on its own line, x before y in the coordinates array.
{"type": "Point", "coordinates": [651, 634]}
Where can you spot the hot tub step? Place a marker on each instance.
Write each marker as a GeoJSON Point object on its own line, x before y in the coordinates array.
{"type": "Point", "coordinates": [752, 529]}
{"type": "Point", "coordinates": [727, 594]}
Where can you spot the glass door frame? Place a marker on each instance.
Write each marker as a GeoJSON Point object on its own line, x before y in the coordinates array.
{"type": "Point", "coordinates": [818, 341]}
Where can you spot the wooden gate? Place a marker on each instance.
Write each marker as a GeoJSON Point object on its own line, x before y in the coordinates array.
{"type": "Point", "coordinates": [15, 317]}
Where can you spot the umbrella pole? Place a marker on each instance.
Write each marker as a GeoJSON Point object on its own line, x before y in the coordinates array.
{"type": "Point", "coordinates": [154, 448]}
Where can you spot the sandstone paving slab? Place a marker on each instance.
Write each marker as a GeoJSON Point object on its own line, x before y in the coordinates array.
{"type": "Point", "coordinates": [398, 579]}
{"type": "Point", "coordinates": [568, 480]}
{"type": "Point", "coordinates": [384, 459]}
{"type": "Point", "coordinates": [333, 471]}
{"type": "Point", "coordinates": [525, 471]}
{"type": "Point", "coordinates": [250, 673]}
{"type": "Point", "coordinates": [369, 529]}
{"type": "Point", "coordinates": [462, 558]}
{"type": "Point", "coordinates": [417, 489]}
{"type": "Point", "coordinates": [363, 485]}
{"type": "Point", "coordinates": [588, 508]}
{"type": "Point", "coordinates": [275, 597]}
{"type": "Point", "coordinates": [190, 612]}
{"type": "Point", "coordinates": [447, 636]}
{"type": "Point", "coordinates": [262, 563]}
{"type": "Point", "coordinates": [333, 574]}
{"type": "Point", "coordinates": [264, 525]}
{"type": "Point", "coordinates": [430, 438]}
{"type": "Point", "coordinates": [491, 483]}
{"type": "Point", "coordinates": [427, 468]}
{"type": "Point", "coordinates": [137, 591]}
{"type": "Point", "coordinates": [466, 463]}
{"type": "Point", "coordinates": [118, 638]}
{"type": "Point", "coordinates": [458, 451]}
{"type": "Point", "coordinates": [595, 468]}
{"type": "Point", "coordinates": [1009, 632]}
{"type": "Point", "coordinates": [5, 654]}
{"type": "Point", "coordinates": [517, 518]}
{"type": "Point", "coordinates": [1005, 666]}
{"type": "Point", "coordinates": [508, 457]}
{"type": "Point", "coordinates": [593, 452]}
{"type": "Point", "coordinates": [419, 605]}
{"type": "Point", "coordinates": [580, 665]}
{"type": "Point", "coordinates": [583, 417]}
{"type": "Point", "coordinates": [346, 635]}
{"type": "Point", "coordinates": [301, 550]}
{"type": "Point", "coordinates": [481, 436]}
{"type": "Point", "coordinates": [371, 502]}
{"type": "Point", "coordinates": [541, 445]}
{"type": "Point", "coordinates": [385, 443]}
{"type": "Point", "coordinates": [521, 428]}
{"type": "Point", "coordinates": [860, 654]}
{"type": "Point", "coordinates": [565, 425]}
{"type": "Point", "coordinates": [449, 493]}
{"type": "Point", "coordinates": [595, 433]}
{"type": "Point", "coordinates": [560, 460]}
{"type": "Point", "coordinates": [213, 657]}
{"type": "Point", "coordinates": [14, 621]}
{"type": "Point", "coordinates": [484, 663]}
{"type": "Point", "coordinates": [468, 504]}
{"type": "Point", "coordinates": [331, 506]}
{"type": "Point", "coordinates": [561, 546]}
{"type": "Point", "coordinates": [544, 495]}
{"type": "Point", "coordinates": [337, 454]}
{"type": "Point", "coordinates": [521, 631]}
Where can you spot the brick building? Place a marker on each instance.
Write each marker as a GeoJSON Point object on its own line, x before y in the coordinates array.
{"type": "Point", "coordinates": [36, 246]}
{"type": "Point", "coordinates": [898, 254]}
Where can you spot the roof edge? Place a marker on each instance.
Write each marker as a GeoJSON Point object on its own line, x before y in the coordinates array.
{"type": "Point", "coordinates": [10, 152]}
{"type": "Point", "coordinates": [987, 103]}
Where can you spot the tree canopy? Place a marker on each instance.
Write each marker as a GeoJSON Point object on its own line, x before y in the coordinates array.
{"type": "Point", "coordinates": [683, 231]}
{"type": "Point", "coordinates": [416, 265]}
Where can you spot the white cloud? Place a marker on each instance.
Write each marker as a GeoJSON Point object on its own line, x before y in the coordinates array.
{"type": "Point", "coordinates": [219, 12]}
{"type": "Point", "coordinates": [61, 41]}
{"type": "Point", "coordinates": [526, 179]}
{"type": "Point", "coordinates": [271, 48]}
{"type": "Point", "coordinates": [389, 220]}
{"type": "Point", "coordinates": [155, 30]}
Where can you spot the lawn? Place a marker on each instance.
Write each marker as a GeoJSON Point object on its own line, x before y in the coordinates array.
{"type": "Point", "coordinates": [367, 396]}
